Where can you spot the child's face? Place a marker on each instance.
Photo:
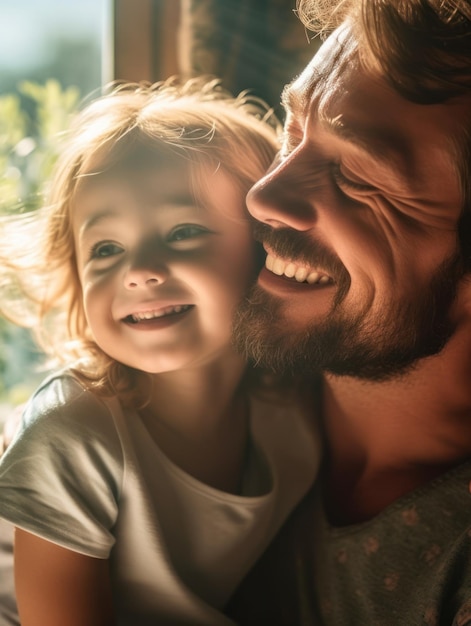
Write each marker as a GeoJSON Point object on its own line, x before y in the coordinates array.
{"type": "Point", "coordinates": [160, 275]}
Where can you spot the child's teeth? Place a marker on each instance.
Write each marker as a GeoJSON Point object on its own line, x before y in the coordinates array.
{"type": "Point", "coordinates": [150, 315]}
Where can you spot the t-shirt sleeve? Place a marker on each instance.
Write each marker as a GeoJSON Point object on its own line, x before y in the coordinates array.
{"type": "Point", "coordinates": [60, 478]}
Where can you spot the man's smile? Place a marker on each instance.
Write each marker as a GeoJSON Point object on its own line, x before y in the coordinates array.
{"type": "Point", "coordinates": [300, 273]}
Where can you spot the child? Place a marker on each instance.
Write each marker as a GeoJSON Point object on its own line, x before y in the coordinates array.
{"type": "Point", "coordinates": [151, 472]}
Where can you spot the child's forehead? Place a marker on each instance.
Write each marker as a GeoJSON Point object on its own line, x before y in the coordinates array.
{"type": "Point", "coordinates": [127, 157]}
{"type": "Point", "coordinates": [175, 182]}
{"type": "Point", "coordinates": [149, 166]}
{"type": "Point", "coordinates": [165, 182]}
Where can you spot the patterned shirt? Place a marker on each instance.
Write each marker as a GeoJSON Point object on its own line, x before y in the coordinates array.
{"type": "Point", "coordinates": [408, 566]}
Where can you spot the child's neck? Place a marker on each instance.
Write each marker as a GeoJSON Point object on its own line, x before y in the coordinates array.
{"type": "Point", "coordinates": [199, 419]}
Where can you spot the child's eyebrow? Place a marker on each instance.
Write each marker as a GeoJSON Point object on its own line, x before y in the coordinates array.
{"type": "Point", "coordinates": [97, 217]}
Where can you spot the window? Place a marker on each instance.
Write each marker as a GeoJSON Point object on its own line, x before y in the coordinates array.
{"type": "Point", "coordinates": [59, 39]}
{"type": "Point", "coordinates": [52, 53]}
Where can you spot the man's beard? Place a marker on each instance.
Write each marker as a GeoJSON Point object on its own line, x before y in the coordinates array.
{"type": "Point", "coordinates": [347, 345]}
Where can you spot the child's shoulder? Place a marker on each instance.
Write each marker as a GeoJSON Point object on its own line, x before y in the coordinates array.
{"type": "Point", "coordinates": [62, 396]}
{"type": "Point", "coordinates": [58, 389]}
{"type": "Point", "coordinates": [64, 420]}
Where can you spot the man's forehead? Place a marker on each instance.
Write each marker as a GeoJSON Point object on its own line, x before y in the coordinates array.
{"type": "Point", "coordinates": [324, 69]}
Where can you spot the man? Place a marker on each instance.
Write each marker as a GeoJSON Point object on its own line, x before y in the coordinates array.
{"type": "Point", "coordinates": [366, 221]}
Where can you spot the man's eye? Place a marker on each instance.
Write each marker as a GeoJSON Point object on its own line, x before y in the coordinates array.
{"type": "Point", "coordinates": [187, 231]}
{"type": "Point", "coordinates": [103, 250]}
{"type": "Point", "coordinates": [343, 181]}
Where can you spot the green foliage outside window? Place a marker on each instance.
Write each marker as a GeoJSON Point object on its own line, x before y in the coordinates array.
{"type": "Point", "coordinates": [31, 124]}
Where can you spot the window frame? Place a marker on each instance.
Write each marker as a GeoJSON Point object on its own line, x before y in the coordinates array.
{"type": "Point", "coordinates": [145, 37]}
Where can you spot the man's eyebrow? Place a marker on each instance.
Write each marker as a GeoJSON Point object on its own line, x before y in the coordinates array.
{"type": "Point", "coordinates": [293, 100]}
{"type": "Point", "coordinates": [287, 97]}
{"type": "Point", "coordinates": [377, 143]}
{"type": "Point", "coordinates": [298, 100]}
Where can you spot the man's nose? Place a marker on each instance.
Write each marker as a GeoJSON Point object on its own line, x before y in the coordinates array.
{"type": "Point", "coordinates": [278, 199]}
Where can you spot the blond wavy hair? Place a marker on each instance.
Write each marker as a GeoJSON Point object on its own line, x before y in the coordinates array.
{"type": "Point", "coordinates": [197, 120]}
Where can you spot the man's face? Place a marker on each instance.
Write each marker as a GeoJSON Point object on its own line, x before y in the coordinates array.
{"type": "Point", "coordinates": [359, 220]}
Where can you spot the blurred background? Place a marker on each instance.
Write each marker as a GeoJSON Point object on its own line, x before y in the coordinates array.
{"type": "Point", "coordinates": [57, 54]}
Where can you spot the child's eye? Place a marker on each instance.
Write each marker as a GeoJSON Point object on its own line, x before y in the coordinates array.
{"type": "Point", "coordinates": [187, 231]}
{"type": "Point", "coordinates": [105, 249]}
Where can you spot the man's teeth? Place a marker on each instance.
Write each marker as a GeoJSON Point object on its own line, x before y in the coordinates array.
{"type": "Point", "coordinates": [150, 315]}
{"type": "Point", "coordinates": [299, 273]}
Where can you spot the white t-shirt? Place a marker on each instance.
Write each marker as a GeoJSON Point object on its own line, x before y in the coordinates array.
{"type": "Point", "coordinates": [85, 474]}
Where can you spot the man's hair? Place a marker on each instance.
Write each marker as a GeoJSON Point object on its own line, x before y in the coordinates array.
{"type": "Point", "coordinates": [423, 47]}
{"type": "Point", "coordinates": [133, 126]}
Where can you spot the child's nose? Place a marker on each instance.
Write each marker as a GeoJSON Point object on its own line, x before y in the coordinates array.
{"type": "Point", "coordinates": [137, 277]}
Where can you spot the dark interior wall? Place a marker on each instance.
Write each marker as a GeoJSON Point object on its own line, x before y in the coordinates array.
{"type": "Point", "coordinates": [250, 44]}
{"type": "Point", "coordinates": [258, 45]}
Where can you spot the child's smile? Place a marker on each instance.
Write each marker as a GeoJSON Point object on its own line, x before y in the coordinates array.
{"type": "Point", "coordinates": [151, 315]}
